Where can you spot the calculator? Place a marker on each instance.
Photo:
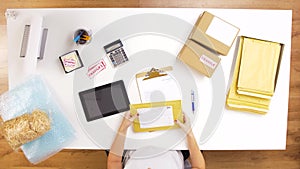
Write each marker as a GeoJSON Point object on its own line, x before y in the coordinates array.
{"type": "Point", "coordinates": [116, 53]}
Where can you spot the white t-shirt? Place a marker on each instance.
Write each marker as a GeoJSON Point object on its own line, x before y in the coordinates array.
{"type": "Point", "coordinates": [165, 160]}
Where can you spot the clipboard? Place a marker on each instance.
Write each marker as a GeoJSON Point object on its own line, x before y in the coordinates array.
{"type": "Point", "coordinates": [157, 81]}
{"type": "Point", "coordinates": [150, 120]}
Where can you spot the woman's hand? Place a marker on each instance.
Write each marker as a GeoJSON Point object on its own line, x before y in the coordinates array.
{"type": "Point", "coordinates": [186, 125]}
{"type": "Point", "coordinates": [196, 158]}
{"type": "Point", "coordinates": [127, 121]}
{"type": "Point", "coordinates": [114, 159]}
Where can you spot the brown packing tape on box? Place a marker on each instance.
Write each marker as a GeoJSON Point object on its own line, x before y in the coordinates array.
{"type": "Point", "coordinates": [201, 35]}
{"type": "Point", "coordinates": [199, 58]}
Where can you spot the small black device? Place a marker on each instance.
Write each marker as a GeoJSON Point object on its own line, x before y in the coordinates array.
{"type": "Point", "coordinates": [104, 100]}
{"type": "Point", "coordinates": [116, 53]}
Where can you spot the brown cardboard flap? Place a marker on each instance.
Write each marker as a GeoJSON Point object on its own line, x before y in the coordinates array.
{"type": "Point", "coordinates": [199, 58]}
{"type": "Point", "coordinates": [199, 33]}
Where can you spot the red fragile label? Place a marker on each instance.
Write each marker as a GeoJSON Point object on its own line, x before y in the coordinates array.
{"type": "Point", "coordinates": [95, 68]}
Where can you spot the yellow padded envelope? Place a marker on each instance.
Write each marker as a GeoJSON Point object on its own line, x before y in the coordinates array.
{"type": "Point", "coordinates": [258, 67]}
{"type": "Point", "coordinates": [156, 115]}
{"type": "Point", "coordinates": [240, 102]}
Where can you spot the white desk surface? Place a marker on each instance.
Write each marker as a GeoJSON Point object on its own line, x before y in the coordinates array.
{"type": "Point", "coordinates": [234, 131]}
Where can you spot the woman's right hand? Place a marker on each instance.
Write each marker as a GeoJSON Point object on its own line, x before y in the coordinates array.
{"type": "Point", "coordinates": [186, 125]}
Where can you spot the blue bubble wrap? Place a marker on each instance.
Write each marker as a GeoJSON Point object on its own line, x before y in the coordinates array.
{"type": "Point", "coordinates": [28, 96]}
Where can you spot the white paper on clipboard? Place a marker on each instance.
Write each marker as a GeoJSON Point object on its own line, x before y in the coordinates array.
{"type": "Point", "coordinates": [156, 117]}
{"type": "Point", "coordinates": [163, 88]}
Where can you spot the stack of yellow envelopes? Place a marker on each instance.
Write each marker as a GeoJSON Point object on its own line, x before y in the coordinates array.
{"type": "Point", "coordinates": [255, 73]}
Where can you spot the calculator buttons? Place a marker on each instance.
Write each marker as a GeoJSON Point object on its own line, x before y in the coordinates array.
{"type": "Point", "coordinates": [116, 53]}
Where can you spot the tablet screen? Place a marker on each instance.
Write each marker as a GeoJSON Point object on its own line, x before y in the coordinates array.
{"type": "Point", "coordinates": [104, 100]}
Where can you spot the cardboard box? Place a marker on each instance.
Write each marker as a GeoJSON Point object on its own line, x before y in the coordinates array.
{"type": "Point", "coordinates": [199, 57]}
{"type": "Point", "coordinates": [214, 33]}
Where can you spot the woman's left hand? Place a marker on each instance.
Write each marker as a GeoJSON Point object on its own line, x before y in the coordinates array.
{"type": "Point", "coordinates": [127, 121]}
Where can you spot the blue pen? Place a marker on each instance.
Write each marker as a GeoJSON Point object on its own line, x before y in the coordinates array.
{"type": "Point", "coordinates": [78, 36]}
{"type": "Point", "coordinates": [193, 101]}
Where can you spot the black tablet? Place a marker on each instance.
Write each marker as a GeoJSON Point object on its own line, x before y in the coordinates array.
{"type": "Point", "coordinates": [104, 100]}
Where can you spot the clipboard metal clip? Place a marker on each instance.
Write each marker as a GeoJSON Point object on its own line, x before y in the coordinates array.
{"type": "Point", "coordinates": [153, 73]}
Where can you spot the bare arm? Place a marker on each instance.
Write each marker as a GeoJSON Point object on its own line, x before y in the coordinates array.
{"type": "Point", "coordinates": [196, 158]}
{"type": "Point", "coordinates": [114, 160]}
